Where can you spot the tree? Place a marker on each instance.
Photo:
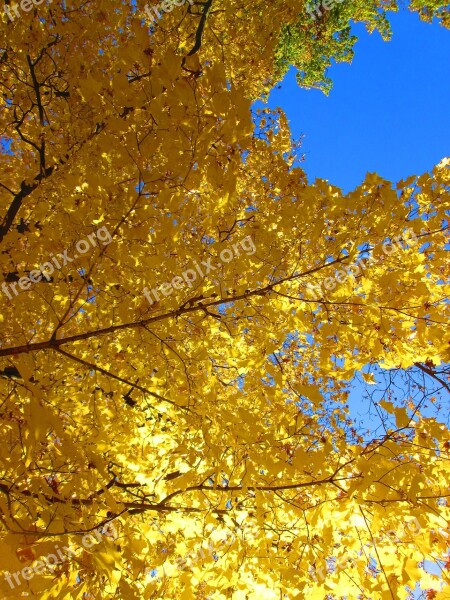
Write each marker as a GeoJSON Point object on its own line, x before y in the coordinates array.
{"type": "Point", "coordinates": [182, 315]}
{"type": "Point", "coordinates": [322, 33]}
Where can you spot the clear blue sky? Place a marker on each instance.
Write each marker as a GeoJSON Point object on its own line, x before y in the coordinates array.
{"type": "Point", "coordinates": [388, 111]}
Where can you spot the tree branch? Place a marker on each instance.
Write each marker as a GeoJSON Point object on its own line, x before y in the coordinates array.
{"type": "Point", "coordinates": [125, 381]}
{"type": "Point", "coordinates": [199, 32]}
{"type": "Point", "coordinates": [56, 343]}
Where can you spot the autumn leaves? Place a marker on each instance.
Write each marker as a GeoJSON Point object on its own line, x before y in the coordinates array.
{"type": "Point", "coordinates": [186, 421]}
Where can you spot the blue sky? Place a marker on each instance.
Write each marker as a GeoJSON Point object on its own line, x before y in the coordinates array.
{"type": "Point", "coordinates": [388, 111]}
